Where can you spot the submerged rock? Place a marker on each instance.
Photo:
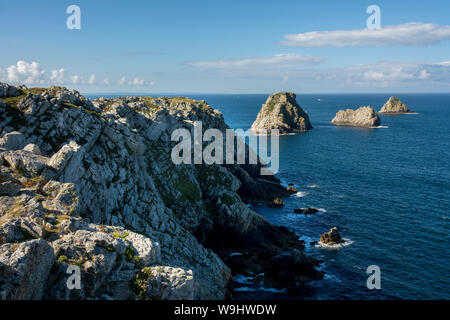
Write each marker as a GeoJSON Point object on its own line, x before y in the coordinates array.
{"type": "Point", "coordinates": [332, 237]}
{"type": "Point", "coordinates": [306, 211]}
{"type": "Point", "coordinates": [277, 203]}
{"type": "Point", "coordinates": [394, 106]}
{"type": "Point", "coordinates": [281, 111]}
{"type": "Point", "coordinates": [362, 117]}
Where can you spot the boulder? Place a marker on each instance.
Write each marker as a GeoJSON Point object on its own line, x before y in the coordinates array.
{"type": "Point", "coordinates": [332, 237]}
{"type": "Point", "coordinates": [362, 117]}
{"type": "Point", "coordinates": [33, 149]}
{"type": "Point", "coordinates": [9, 91]}
{"type": "Point", "coordinates": [281, 111]}
{"type": "Point", "coordinates": [306, 211]}
{"type": "Point", "coordinates": [394, 106]}
{"type": "Point", "coordinates": [12, 141]}
{"type": "Point", "coordinates": [25, 269]}
{"type": "Point", "coordinates": [277, 203]}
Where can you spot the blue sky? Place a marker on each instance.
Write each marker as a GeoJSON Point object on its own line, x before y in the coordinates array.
{"type": "Point", "coordinates": [227, 46]}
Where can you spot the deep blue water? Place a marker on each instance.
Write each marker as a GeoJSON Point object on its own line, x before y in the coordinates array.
{"type": "Point", "coordinates": [387, 190]}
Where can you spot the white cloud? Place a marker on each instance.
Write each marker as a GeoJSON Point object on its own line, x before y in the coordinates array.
{"type": "Point", "coordinates": [423, 75]}
{"type": "Point", "coordinates": [275, 61]}
{"type": "Point", "coordinates": [121, 81]}
{"type": "Point", "coordinates": [24, 72]}
{"type": "Point", "coordinates": [106, 81]}
{"type": "Point", "coordinates": [137, 82]}
{"type": "Point", "coordinates": [91, 79]}
{"type": "Point", "coordinates": [57, 76]}
{"type": "Point", "coordinates": [75, 79]}
{"type": "Point", "coordinates": [152, 83]}
{"type": "Point", "coordinates": [408, 34]}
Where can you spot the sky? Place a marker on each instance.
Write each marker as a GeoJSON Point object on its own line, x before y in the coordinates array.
{"type": "Point", "coordinates": [233, 46]}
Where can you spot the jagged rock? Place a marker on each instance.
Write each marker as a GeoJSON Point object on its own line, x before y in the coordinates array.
{"type": "Point", "coordinates": [394, 106]}
{"type": "Point", "coordinates": [332, 237]}
{"type": "Point", "coordinates": [9, 91]}
{"type": "Point", "coordinates": [33, 149]}
{"type": "Point", "coordinates": [23, 161]}
{"type": "Point", "coordinates": [12, 141]}
{"type": "Point", "coordinates": [277, 203]}
{"type": "Point", "coordinates": [166, 283]}
{"type": "Point", "coordinates": [24, 269]}
{"type": "Point", "coordinates": [108, 163]}
{"type": "Point", "coordinates": [281, 111]}
{"type": "Point", "coordinates": [306, 211]}
{"type": "Point", "coordinates": [292, 189]}
{"type": "Point", "coordinates": [362, 117]}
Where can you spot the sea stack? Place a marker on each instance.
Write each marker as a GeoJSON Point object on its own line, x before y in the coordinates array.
{"type": "Point", "coordinates": [332, 237]}
{"type": "Point", "coordinates": [362, 117]}
{"type": "Point", "coordinates": [394, 106]}
{"type": "Point", "coordinates": [281, 111]}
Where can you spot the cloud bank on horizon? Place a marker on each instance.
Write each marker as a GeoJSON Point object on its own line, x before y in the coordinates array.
{"type": "Point", "coordinates": [31, 73]}
{"type": "Point", "coordinates": [288, 60]}
{"type": "Point", "coordinates": [408, 34]}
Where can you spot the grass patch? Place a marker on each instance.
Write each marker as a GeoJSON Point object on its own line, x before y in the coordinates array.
{"type": "Point", "coordinates": [189, 191]}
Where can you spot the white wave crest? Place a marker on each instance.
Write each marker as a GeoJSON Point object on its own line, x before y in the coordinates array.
{"type": "Point", "coordinates": [301, 194]}
{"type": "Point", "coordinates": [346, 243]}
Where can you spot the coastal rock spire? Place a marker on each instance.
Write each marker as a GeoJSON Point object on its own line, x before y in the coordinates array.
{"type": "Point", "coordinates": [281, 111]}
{"type": "Point", "coordinates": [394, 106]}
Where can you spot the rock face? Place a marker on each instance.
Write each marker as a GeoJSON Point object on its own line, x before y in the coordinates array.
{"type": "Point", "coordinates": [332, 237]}
{"type": "Point", "coordinates": [281, 111]}
{"type": "Point", "coordinates": [92, 184]}
{"type": "Point", "coordinates": [394, 106]}
{"type": "Point", "coordinates": [362, 117]}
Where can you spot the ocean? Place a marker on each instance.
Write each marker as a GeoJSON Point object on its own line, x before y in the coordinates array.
{"type": "Point", "coordinates": [386, 189]}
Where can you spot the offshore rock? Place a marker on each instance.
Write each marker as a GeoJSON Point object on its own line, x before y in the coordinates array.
{"type": "Point", "coordinates": [332, 237]}
{"type": "Point", "coordinates": [394, 106]}
{"type": "Point", "coordinates": [281, 111]}
{"type": "Point", "coordinates": [362, 117]}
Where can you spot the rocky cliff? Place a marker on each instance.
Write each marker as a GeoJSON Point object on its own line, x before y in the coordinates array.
{"type": "Point", "coordinates": [92, 184]}
{"type": "Point", "coordinates": [281, 111]}
{"type": "Point", "coordinates": [394, 106]}
{"type": "Point", "coordinates": [362, 117]}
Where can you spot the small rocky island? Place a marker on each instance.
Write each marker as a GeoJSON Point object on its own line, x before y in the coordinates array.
{"type": "Point", "coordinates": [362, 117]}
{"type": "Point", "coordinates": [281, 111]}
{"type": "Point", "coordinates": [394, 106]}
{"type": "Point", "coordinates": [332, 237]}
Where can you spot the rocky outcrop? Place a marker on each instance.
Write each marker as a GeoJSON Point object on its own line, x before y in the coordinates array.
{"type": "Point", "coordinates": [94, 181]}
{"type": "Point", "coordinates": [332, 237]}
{"type": "Point", "coordinates": [281, 111]}
{"type": "Point", "coordinates": [306, 211]}
{"type": "Point", "coordinates": [9, 91]}
{"type": "Point", "coordinates": [394, 106]}
{"type": "Point", "coordinates": [362, 117]}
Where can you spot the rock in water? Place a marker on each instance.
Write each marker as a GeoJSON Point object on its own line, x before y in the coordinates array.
{"type": "Point", "coordinates": [281, 111]}
{"type": "Point", "coordinates": [332, 237]}
{"type": "Point", "coordinates": [362, 117]}
{"type": "Point", "coordinates": [394, 106]}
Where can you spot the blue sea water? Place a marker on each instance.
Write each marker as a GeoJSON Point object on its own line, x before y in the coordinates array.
{"type": "Point", "coordinates": [386, 189]}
